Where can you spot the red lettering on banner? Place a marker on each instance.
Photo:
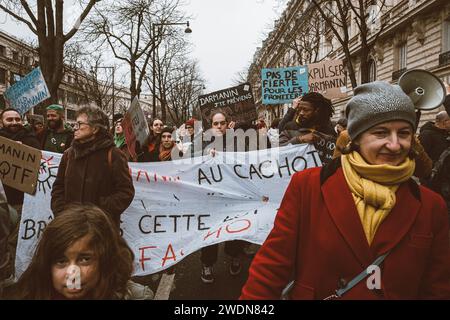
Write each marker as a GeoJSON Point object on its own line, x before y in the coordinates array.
{"type": "Point", "coordinates": [211, 233]}
{"type": "Point", "coordinates": [142, 259]}
{"type": "Point", "coordinates": [248, 224]}
{"type": "Point", "coordinates": [146, 175]}
{"type": "Point", "coordinates": [172, 257]}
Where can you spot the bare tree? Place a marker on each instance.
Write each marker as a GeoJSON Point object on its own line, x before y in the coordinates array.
{"type": "Point", "coordinates": [338, 16]}
{"type": "Point", "coordinates": [241, 76]}
{"type": "Point", "coordinates": [92, 81]}
{"type": "Point", "coordinates": [126, 28]}
{"type": "Point", "coordinates": [304, 37]}
{"type": "Point", "coordinates": [183, 93]}
{"type": "Point", "coordinates": [45, 20]}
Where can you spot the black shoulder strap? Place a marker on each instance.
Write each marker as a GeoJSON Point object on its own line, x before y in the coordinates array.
{"type": "Point", "coordinates": [438, 165]}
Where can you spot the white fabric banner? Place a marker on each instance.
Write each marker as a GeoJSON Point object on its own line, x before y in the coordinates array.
{"type": "Point", "coordinates": [179, 208]}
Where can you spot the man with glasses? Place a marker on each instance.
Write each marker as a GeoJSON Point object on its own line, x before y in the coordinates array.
{"type": "Point", "coordinates": [233, 248]}
{"type": "Point", "coordinates": [93, 170]}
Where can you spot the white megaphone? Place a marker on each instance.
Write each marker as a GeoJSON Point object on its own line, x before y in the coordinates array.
{"type": "Point", "coordinates": [425, 89]}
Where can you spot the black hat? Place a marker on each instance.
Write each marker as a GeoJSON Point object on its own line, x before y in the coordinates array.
{"type": "Point", "coordinates": [117, 116]}
{"type": "Point", "coordinates": [167, 129]}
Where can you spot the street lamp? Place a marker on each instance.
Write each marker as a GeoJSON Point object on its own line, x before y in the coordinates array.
{"type": "Point", "coordinates": [187, 30]}
{"type": "Point", "coordinates": [113, 87]}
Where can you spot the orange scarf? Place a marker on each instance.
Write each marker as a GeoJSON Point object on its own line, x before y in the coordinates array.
{"type": "Point", "coordinates": [165, 154]}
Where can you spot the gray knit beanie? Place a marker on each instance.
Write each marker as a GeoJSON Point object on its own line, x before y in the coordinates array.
{"type": "Point", "coordinates": [377, 102]}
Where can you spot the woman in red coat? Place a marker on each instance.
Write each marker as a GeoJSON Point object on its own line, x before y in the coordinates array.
{"type": "Point", "coordinates": [335, 221]}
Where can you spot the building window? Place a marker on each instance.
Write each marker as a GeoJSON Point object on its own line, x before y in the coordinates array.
{"type": "Point", "coordinates": [15, 56]}
{"type": "Point", "coordinates": [71, 115]}
{"type": "Point", "coordinates": [446, 36]}
{"type": "Point", "coordinates": [2, 51]}
{"type": "Point", "coordinates": [402, 51]}
{"type": "Point", "coordinates": [14, 77]}
{"type": "Point", "coordinates": [2, 76]}
{"type": "Point", "coordinates": [372, 70]}
{"type": "Point", "coordinates": [72, 98]}
{"type": "Point", "coordinates": [61, 94]}
{"type": "Point", "coordinates": [26, 61]}
{"type": "Point", "coordinates": [2, 102]}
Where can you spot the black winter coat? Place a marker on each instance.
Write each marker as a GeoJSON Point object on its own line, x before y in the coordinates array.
{"type": "Point", "coordinates": [433, 140]}
{"type": "Point", "coordinates": [87, 175]}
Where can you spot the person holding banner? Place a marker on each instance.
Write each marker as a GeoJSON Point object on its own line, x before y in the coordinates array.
{"type": "Point", "coordinates": [58, 136]}
{"type": "Point", "coordinates": [234, 248]}
{"type": "Point", "coordinates": [150, 149]}
{"type": "Point", "coordinates": [13, 129]}
{"type": "Point", "coordinates": [93, 170]}
{"type": "Point", "coordinates": [360, 227]}
{"type": "Point", "coordinates": [80, 256]}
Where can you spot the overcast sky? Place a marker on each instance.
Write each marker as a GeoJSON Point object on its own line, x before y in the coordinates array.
{"type": "Point", "coordinates": [225, 34]}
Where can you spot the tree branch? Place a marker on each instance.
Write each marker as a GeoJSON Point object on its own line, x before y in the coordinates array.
{"type": "Point", "coordinates": [21, 19]}
{"type": "Point", "coordinates": [80, 20]}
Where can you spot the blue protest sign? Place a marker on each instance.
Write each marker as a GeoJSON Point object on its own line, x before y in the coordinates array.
{"type": "Point", "coordinates": [28, 92]}
{"type": "Point", "coordinates": [282, 85]}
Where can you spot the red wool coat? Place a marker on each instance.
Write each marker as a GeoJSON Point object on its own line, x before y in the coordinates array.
{"type": "Point", "coordinates": [318, 233]}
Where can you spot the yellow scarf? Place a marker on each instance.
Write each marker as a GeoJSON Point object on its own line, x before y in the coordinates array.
{"type": "Point", "coordinates": [373, 188]}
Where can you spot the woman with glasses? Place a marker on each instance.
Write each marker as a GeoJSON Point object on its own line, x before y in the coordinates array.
{"type": "Point", "coordinates": [149, 152]}
{"type": "Point", "coordinates": [93, 170]}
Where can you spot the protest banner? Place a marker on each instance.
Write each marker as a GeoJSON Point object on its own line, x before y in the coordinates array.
{"type": "Point", "coordinates": [19, 165]}
{"type": "Point", "coordinates": [135, 127]}
{"type": "Point", "coordinates": [328, 78]}
{"type": "Point", "coordinates": [179, 208]}
{"type": "Point", "coordinates": [28, 92]}
{"type": "Point", "coordinates": [282, 85]}
{"type": "Point", "coordinates": [237, 102]}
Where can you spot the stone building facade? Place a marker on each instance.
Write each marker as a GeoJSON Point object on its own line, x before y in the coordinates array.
{"type": "Point", "coordinates": [415, 35]}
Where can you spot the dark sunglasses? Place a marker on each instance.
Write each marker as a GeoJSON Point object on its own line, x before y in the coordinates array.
{"type": "Point", "coordinates": [222, 123]}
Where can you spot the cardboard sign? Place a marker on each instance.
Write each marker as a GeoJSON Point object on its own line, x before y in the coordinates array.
{"type": "Point", "coordinates": [282, 85]}
{"type": "Point", "coordinates": [28, 92]}
{"type": "Point", "coordinates": [328, 78]}
{"type": "Point", "coordinates": [135, 127]}
{"type": "Point", "coordinates": [19, 165]}
{"type": "Point", "coordinates": [237, 102]}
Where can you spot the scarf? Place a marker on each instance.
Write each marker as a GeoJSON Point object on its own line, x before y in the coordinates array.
{"type": "Point", "coordinates": [119, 140]}
{"type": "Point", "coordinates": [373, 188]}
{"type": "Point", "coordinates": [165, 154]}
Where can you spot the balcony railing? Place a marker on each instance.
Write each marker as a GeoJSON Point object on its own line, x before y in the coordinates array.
{"type": "Point", "coordinates": [397, 74]}
{"type": "Point", "coordinates": [444, 58]}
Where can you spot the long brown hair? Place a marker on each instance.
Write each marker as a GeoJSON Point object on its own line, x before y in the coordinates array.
{"type": "Point", "coordinates": [114, 256]}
